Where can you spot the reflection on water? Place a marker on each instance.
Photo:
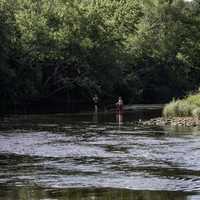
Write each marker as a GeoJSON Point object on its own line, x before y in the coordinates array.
{"type": "Point", "coordinates": [119, 119]}
{"type": "Point", "coordinates": [96, 156]}
{"type": "Point", "coordinates": [95, 117]}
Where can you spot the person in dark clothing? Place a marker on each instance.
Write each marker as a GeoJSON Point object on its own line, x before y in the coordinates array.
{"type": "Point", "coordinates": [119, 111]}
{"type": "Point", "coordinates": [96, 101]}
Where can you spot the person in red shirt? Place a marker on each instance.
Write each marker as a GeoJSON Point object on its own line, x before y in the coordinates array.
{"type": "Point", "coordinates": [120, 105]}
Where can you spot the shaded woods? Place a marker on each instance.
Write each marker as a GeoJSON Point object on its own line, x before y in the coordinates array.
{"type": "Point", "coordinates": [62, 52]}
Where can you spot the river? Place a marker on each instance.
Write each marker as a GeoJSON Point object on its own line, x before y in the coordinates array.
{"type": "Point", "coordinates": [89, 156]}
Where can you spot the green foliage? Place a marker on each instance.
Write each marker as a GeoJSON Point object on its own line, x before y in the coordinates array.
{"type": "Point", "coordinates": [169, 110]}
{"type": "Point", "coordinates": [194, 99]}
{"type": "Point", "coordinates": [7, 74]}
{"type": "Point", "coordinates": [189, 106]}
{"type": "Point", "coordinates": [75, 41]}
{"type": "Point", "coordinates": [179, 108]}
{"type": "Point", "coordinates": [163, 49]}
{"type": "Point", "coordinates": [146, 51]}
{"type": "Point", "coordinates": [196, 113]}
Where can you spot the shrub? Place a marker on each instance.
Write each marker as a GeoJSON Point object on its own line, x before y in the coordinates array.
{"type": "Point", "coordinates": [169, 110]}
{"type": "Point", "coordinates": [194, 99]}
{"type": "Point", "coordinates": [179, 108]}
{"type": "Point", "coordinates": [196, 113]}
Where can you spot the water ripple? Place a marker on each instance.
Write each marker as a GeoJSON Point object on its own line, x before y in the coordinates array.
{"type": "Point", "coordinates": [100, 155]}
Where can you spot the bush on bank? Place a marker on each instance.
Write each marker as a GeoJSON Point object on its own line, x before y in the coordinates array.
{"type": "Point", "coordinates": [196, 113]}
{"type": "Point", "coordinates": [194, 99]}
{"type": "Point", "coordinates": [187, 107]}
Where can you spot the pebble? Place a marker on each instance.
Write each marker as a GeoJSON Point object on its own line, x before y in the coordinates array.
{"type": "Point", "coordinates": [174, 121]}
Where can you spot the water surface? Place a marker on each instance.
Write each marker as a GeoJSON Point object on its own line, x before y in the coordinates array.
{"type": "Point", "coordinates": [88, 156]}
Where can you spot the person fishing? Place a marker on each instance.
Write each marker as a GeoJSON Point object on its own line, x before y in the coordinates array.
{"type": "Point", "coordinates": [120, 105]}
{"type": "Point", "coordinates": [95, 100]}
{"type": "Point", "coordinates": [119, 113]}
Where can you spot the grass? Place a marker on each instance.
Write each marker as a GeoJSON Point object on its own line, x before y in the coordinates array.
{"type": "Point", "coordinates": [196, 113]}
{"type": "Point", "coordinates": [186, 107]}
{"type": "Point", "coordinates": [194, 99]}
{"type": "Point", "coordinates": [179, 108]}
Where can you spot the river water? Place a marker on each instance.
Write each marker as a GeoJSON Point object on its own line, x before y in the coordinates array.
{"type": "Point", "coordinates": [89, 156]}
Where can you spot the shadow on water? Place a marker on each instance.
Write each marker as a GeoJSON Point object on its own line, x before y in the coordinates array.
{"type": "Point", "coordinates": [33, 193]}
{"type": "Point", "coordinates": [97, 156]}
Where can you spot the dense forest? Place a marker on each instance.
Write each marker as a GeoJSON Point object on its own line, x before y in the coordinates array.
{"type": "Point", "coordinates": [64, 51]}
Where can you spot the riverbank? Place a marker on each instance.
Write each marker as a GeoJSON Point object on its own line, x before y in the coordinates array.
{"type": "Point", "coordinates": [172, 121]}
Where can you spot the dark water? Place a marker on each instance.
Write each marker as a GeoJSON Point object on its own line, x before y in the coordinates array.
{"type": "Point", "coordinates": [85, 156]}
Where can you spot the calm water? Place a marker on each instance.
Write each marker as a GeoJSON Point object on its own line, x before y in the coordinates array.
{"type": "Point", "coordinates": [85, 156]}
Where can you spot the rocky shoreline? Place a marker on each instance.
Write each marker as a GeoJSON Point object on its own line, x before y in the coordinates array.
{"type": "Point", "coordinates": [174, 121]}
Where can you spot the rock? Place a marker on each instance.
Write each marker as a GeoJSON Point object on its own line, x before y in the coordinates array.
{"type": "Point", "coordinates": [175, 121]}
